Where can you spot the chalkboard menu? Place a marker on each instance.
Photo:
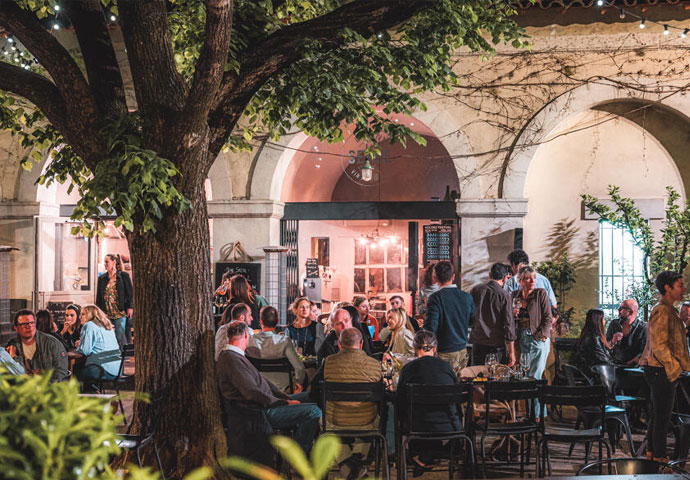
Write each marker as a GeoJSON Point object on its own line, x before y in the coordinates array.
{"type": "Point", "coordinates": [438, 243]}
{"type": "Point", "coordinates": [250, 271]}
{"type": "Point", "coordinates": [57, 310]}
{"type": "Point", "coordinates": [312, 267]}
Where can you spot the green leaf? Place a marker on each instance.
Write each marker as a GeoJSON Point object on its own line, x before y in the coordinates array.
{"type": "Point", "coordinates": [291, 451]}
{"type": "Point", "coordinates": [323, 454]}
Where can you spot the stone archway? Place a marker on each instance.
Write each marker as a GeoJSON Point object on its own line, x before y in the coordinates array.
{"type": "Point", "coordinates": [604, 97]}
{"type": "Point", "coordinates": [272, 161]}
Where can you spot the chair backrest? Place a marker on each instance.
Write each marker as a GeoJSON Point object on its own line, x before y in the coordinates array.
{"type": "Point", "coordinates": [592, 396]}
{"type": "Point", "coordinates": [563, 345]}
{"type": "Point", "coordinates": [575, 376]}
{"type": "Point", "coordinates": [607, 375]}
{"type": "Point", "coordinates": [274, 365]}
{"type": "Point", "coordinates": [418, 396]}
{"type": "Point", "coordinates": [374, 392]}
{"type": "Point", "coordinates": [127, 352]}
{"type": "Point", "coordinates": [630, 466]}
{"type": "Point", "coordinates": [527, 390]}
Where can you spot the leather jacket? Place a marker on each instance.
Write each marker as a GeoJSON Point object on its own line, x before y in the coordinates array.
{"type": "Point", "coordinates": [591, 351]}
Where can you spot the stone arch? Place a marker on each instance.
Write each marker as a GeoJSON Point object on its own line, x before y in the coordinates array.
{"type": "Point", "coordinates": [273, 159]}
{"type": "Point", "coordinates": [604, 97]}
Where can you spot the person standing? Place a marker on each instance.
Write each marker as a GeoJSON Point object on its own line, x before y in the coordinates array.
{"type": "Point", "coordinates": [665, 356]}
{"type": "Point", "coordinates": [448, 315]}
{"type": "Point", "coordinates": [493, 327]}
{"type": "Point", "coordinates": [533, 318]}
{"type": "Point", "coordinates": [518, 258]}
{"type": "Point", "coordinates": [114, 295]}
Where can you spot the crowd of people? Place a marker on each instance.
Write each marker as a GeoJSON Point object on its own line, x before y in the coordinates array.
{"type": "Point", "coordinates": [511, 315]}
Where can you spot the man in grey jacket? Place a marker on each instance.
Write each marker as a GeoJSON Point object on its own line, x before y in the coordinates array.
{"type": "Point", "coordinates": [269, 344]}
{"type": "Point", "coordinates": [240, 383]}
{"type": "Point", "coordinates": [36, 351]}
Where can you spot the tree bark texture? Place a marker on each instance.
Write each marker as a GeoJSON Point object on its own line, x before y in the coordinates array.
{"type": "Point", "coordinates": [174, 338]}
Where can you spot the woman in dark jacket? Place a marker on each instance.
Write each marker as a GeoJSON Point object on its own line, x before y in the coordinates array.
{"type": "Point", "coordinates": [592, 347]}
{"type": "Point", "coordinates": [114, 295]}
{"type": "Point", "coordinates": [71, 329]}
{"type": "Point", "coordinates": [242, 292]}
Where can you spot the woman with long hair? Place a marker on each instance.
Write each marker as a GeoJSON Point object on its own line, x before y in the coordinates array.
{"type": "Point", "coordinates": [592, 347]}
{"type": "Point", "coordinates": [427, 287]}
{"type": "Point", "coordinates": [362, 306]}
{"type": "Point", "coordinates": [71, 329]}
{"type": "Point", "coordinates": [114, 295]}
{"type": "Point", "coordinates": [46, 324]}
{"type": "Point", "coordinates": [402, 332]}
{"type": "Point", "coordinates": [307, 333]}
{"type": "Point", "coordinates": [99, 344]}
{"type": "Point", "coordinates": [242, 292]}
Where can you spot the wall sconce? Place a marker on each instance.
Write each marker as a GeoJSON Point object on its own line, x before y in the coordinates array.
{"type": "Point", "coordinates": [367, 171]}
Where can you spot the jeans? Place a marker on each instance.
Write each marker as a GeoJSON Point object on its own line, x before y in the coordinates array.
{"type": "Point", "coordinates": [304, 418]}
{"type": "Point", "coordinates": [537, 352]}
{"type": "Point", "coordinates": [120, 325]}
{"type": "Point", "coordinates": [479, 353]}
{"type": "Point", "coordinates": [663, 394]}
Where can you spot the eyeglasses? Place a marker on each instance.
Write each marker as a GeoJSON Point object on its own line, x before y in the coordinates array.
{"type": "Point", "coordinates": [625, 308]}
{"type": "Point", "coordinates": [27, 324]}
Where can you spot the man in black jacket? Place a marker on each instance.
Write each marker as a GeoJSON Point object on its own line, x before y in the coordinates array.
{"type": "Point", "coordinates": [36, 351]}
{"type": "Point", "coordinates": [627, 334]}
{"type": "Point", "coordinates": [241, 384]}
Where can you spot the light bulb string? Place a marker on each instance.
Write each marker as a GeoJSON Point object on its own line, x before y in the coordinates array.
{"type": "Point", "coordinates": [623, 12]}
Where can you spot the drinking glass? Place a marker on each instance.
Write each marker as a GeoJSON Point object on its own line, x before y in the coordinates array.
{"type": "Point", "coordinates": [491, 361]}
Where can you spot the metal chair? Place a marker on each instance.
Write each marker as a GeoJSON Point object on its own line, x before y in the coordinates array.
{"type": "Point", "coordinates": [138, 442]}
{"type": "Point", "coordinates": [373, 392]}
{"type": "Point", "coordinates": [631, 466]}
{"type": "Point", "coordinates": [577, 396]}
{"type": "Point", "coordinates": [121, 379]}
{"type": "Point", "coordinates": [529, 391]}
{"type": "Point", "coordinates": [275, 365]}
{"type": "Point", "coordinates": [423, 397]}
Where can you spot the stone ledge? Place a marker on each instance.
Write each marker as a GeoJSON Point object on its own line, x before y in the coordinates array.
{"type": "Point", "coordinates": [245, 209]}
{"type": "Point", "coordinates": [28, 210]}
{"type": "Point", "coordinates": [492, 207]}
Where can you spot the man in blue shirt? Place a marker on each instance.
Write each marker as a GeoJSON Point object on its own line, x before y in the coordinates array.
{"type": "Point", "coordinates": [448, 313]}
{"type": "Point", "coordinates": [518, 258]}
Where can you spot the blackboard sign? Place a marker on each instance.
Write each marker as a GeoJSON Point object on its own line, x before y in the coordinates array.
{"type": "Point", "coordinates": [57, 310]}
{"type": "Point", "coordinates": [438, 243]}
{"type": "Point", "coordinates": [312, 268]}
{"type": "Point", "coordinates": [250, 271]}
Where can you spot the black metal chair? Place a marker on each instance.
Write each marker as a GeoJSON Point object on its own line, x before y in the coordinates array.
{"type": "Point", "coordinates": [560, 346]}
{"type": "Point", "coordinates": [275, 365]}
{"type": "Point", "coordinates": [607, 377]}
{"type": "Point", "coordinates": [120, 380]}
{"type": "Point", "coordinates": [417, 397]}
{"type": "Point", "coordinates": [589, 417]}
{"type": "Point", "coordinates": [529, 391]}
{"type": "Point", "coordinates": [373, 392]}
{"type": "Point", "coordinates": [593, 397]}
{"type": "Point", "coordinates": [138, 442]}
{"type": "Point", "coordinates": [631, 466]}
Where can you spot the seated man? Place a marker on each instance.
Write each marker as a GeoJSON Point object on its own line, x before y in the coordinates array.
{"type": "Point", "coordinates": [627, 334]}
{"type": "Point", "coordinates": [351, 365]}
{"type": "Point", "coordinates": [340, 320]}
{"type": "Point", "coordinates": [268, 344]}
{"type": "Point", "coordinates": [239, 311]}
{"type": "Point", "coordinates": [37, 351]}
{"type": "Point", "coordinates": [427, 369]}
{"type": "Point", "coordinates": [240, 383]}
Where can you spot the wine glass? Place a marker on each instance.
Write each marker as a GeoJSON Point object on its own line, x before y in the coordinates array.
{"type": "Point", "coordinates": [491, 361]}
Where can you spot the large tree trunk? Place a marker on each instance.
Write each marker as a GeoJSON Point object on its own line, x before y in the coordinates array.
{"type": "Point", "coordinates": [174, 335]}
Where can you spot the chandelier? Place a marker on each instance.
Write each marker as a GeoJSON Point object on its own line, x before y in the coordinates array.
{"type": "Point", "coordinates": [376, 239]}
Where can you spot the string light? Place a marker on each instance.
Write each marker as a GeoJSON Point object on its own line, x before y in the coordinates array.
{"type": "Point", "coordinates": [623, 13]}
{"type": "Point", "coordinates": [685, 32]}
{"type": "Point", "coordinates": [56, 8]}
{"type": "Point", "coordinates": [56, 26]}
{"type": "Point", "coordinates": [113, 18]}
{"type": "Point", "coordinates": [643, 22]}
{"type": "Point", "coordinates": [665, 29]}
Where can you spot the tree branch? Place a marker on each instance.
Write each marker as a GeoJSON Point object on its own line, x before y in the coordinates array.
{"type": "Point", "coordinates": [45, 96]}
{"type": "Point", "coordinates": [69, 81]}
{"type": "Point", "coordinates": [99, 56]}
{"type": "Point", "coordinates": [213, 56]}
{"type": "Point", "coordinates": [283, 47]}
{"type": "Point", "coordinates": [160, 90]}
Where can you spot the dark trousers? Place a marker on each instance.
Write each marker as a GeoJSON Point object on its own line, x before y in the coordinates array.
{"type": "Point", "coordinates": [479, 353]}
{"type": "Point", "coordinates": [663, 394]}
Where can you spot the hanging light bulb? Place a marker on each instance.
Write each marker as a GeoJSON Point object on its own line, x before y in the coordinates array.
{"type": "Point", "coordinates": [622, 14]}
{"type": "Point", "coordinates": [685, 33]}
{"type": "Point", "coordinates": [367, 171]}
{"type": "Point", "coordinates": [600, 3]}
{"type": "Point", "coordinates": [665, 29]}
{"type": "Point", "coordinates": [643, 22]}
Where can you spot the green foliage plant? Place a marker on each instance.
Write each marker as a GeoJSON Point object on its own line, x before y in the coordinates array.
{"type": "Point", "coordinates": [670, 252]}
{"type": "Point", "coordinates": [49, 432]}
